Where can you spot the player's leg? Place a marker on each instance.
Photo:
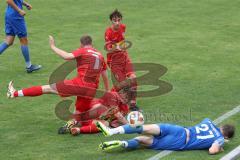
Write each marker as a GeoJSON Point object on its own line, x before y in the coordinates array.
{"type": "Point", "coordinates": [10, 36]}
{"type": "Point", "coordinates": [129, 144]}
{"type": "Point", "coordinates": [150, 129]}
{"type": "Point", "coordinates": [31, 91]}
{"type": "Point", "coordinates": [94, 113]}
{"type": "Point", "coordinates": [86, 129]}
{"type": "Point", "coordinates": [133, 92]}
{"type": "Point", "coordinates": [130, 74]}
{"type": "Point", "coordinates": [82, 105]}
{"type": "Point", "coordinates": [8, 42]}
{"type": "Point", "coordinates": [20, 29]}
{"type": "Point", "coordinates": [25, 52]}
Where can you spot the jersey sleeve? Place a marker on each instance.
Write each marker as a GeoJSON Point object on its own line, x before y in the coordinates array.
{"type": "Point", "coordinates": [108, 41]}
{"type": "Point", "coordinates": [124, 28]}
{"type": "Point", "coordinates": [219, 141]}
{"type": "Point", "coordinates": [76, 53]}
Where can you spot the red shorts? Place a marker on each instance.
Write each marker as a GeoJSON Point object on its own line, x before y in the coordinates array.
{"type": "Point", "coordinates": [84, 105]}
{"type": "Point", "coordinates": [76, 87]}
{"type": "Point", "coordinates": [120, 65]}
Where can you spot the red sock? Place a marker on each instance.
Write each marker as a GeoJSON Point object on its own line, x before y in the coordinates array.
{"type": "Point", "coordinates": [89, 129]}
{"type": "Point", "coordinates": [134, 92]}
{"type": "Point", "coordinates": [31, 92]}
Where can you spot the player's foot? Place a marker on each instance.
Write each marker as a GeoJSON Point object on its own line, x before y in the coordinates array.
{"type": "Point", "coordinates": [106, 146]}
{"type": "Point", "coordinates": [33, 68]}
{"type": "Point", "coordinates": [104, 129]}
{"type": "Point", "coordinates": [11, 90]}
{"type": "Point", "coordinates": [75, 131]}
{"type": "Point", "coordinates": [66, 128]}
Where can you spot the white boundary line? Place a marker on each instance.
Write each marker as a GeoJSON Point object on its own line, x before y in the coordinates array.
{"type": "Point", "coordinates": [216, 121]}
{"type": "Point", "coordinates": [234, 154]}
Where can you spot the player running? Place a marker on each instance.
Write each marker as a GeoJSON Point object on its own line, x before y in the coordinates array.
{"type": "Point", "coordinates": [204, 135]}
{"type": "Point", "coordinates": [117, 58]}
{"type": "Point", "coordinates": [15, 25]}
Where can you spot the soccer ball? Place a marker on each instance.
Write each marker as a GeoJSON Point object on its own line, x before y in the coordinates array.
{"type": "Point", "coordinates": [135, 118]}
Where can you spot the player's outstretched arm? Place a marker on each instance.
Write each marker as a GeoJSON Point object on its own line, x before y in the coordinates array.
{"type": "Point", "coordinates": [105, 80]}
{"type": "Point", "coordinates": [29, 6]}
{"type": "Point", "coordinates": [65, 55]}
{"type": "Point", "coordinates": [14, 6]}
{"type": "Point", "coordinates": [215, 148]}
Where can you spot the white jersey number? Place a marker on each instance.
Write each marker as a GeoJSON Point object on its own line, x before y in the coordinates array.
{"type": "Point", "coordinates": [97, 60]}
{"type": "Point", "coordinates": [201, 129]}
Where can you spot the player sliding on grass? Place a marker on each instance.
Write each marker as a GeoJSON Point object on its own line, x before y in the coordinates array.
{"type": "Point", "coordinates": [204, 135]}
{"type": "Point", "coordinates": [90, 65]}
{"type": "Point", "coordinates": [15, 25]}
{"type": "Point", "coordinates": [117, 57]}
{"type": "Point", "coordinates": [110, 109]}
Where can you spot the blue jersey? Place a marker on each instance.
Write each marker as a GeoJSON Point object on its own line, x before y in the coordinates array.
{"type": "Point", "coordinates": [203, 135]}
{"type": "Point", "coordinates": [12, 13]}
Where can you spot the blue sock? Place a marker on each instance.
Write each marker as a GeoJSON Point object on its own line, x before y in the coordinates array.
{"type": "Point", "coordinates": [26, 55]}
{"type": "Point", "coordinates": [128, 129]}
{"type": "Point", "coordinates": [131, 144]}
{"type": "Point", "coordinates": [3, 47]}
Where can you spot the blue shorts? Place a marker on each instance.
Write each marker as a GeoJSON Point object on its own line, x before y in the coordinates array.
{"type": "Point", "coordinates": [172, 137]}
{"type": "Point", "coordinates": [15, 27]}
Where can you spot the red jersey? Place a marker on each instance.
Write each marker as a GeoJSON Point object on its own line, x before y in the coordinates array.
{"type": "Point", "coordinates": [113, 99]}
{"type": "Point", "coordinates": [90, 64]}
{"type": "Point", "coordinates": [86, 113]}
{"type": "Point", "coordinates": [112, 36]}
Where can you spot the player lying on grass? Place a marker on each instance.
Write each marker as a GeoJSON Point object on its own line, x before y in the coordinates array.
{"type": "Point", "coordinates": [117, 57]}
{"type": "Point", "coordinates": [204, 135]}
{"type": "Point", "coordinates": [111, 109]}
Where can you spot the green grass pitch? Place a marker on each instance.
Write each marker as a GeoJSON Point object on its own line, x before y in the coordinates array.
{"type": "Point", "coordinates": [198, 41]}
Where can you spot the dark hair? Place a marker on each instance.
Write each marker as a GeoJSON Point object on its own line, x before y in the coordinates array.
{"type": "Point", "coordinates": [228, 130]}
{"type": "Point", "coordinates": [115, 14]}
{"type": "Point", "coordinates": [86, 40]}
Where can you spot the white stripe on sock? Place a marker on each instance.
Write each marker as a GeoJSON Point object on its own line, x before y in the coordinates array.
{"type": "Point", "coordinates": [20, 93]}
{"type": "Point", "coordinates": [28, 64]}
{"type": "Point", "coordinates": [125, 144]}
{"type": "Point", "coordinates": [118, 130]}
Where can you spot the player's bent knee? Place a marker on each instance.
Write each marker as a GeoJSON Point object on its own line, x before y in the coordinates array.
{"type": "Point", "coordinates": [9, 40]}
{"type": "Point", "coordinates": [151, 129]}
{"type": "Point", "coordinates": [24, 41]}
{"type": "Point", "coordinates": [145, 140]}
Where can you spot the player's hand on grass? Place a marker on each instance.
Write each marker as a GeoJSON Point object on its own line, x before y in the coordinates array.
{"type": "Point", "coordinates": [22, 12]}
{"type": "Point", "coordinates": [51, 41]}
